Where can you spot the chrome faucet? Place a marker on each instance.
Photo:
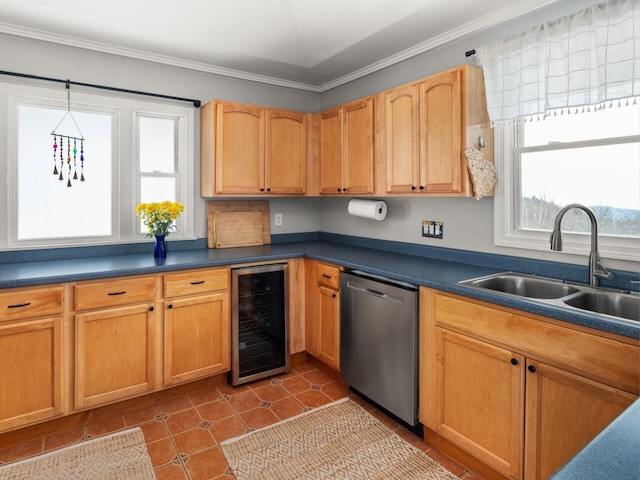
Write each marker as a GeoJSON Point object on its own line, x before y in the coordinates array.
{"type": "Point", "coordinates": [596, 269]}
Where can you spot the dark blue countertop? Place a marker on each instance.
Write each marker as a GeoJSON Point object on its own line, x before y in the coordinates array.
{"type": "Point", "coordinates": [440, 269]}
{"type": "Point", "coordinates": [613, 454]}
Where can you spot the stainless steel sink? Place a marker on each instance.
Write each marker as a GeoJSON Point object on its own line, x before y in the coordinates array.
{"type": "Point", "coordinates": [616, 304]}
{"type": "Point", "coordinates": [550, 291]}
{"type": "Point", "coordinates": [523, 285]}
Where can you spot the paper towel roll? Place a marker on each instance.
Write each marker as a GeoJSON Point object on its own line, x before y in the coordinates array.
{"type": "Point", "coordinates": [374, 209]}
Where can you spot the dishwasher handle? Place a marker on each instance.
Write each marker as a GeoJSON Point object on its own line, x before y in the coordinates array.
{"type": "Point", "coordinates": [376, 293]}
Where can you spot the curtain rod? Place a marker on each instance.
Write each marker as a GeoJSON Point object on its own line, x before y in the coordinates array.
{"type": "Point", "coordinates": [196, 103]}
{"type": "Point", "coordinates": [468, 53]}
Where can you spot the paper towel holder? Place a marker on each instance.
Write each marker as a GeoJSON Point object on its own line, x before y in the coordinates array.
{"type": "Point", "coordinates": [367, 208]}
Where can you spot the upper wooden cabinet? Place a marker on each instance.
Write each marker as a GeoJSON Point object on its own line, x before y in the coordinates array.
{"type": "Point", "coordinates": [404, 141]}
{"type": "Point", "coordinates": [249, 150]}
{"type": "Point", "coordinates": [346, 149]}
{"type": "Point", "coordinates": [423, 130]}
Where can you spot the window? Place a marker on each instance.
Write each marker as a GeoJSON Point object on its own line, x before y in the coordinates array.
{"type": "Point", "coordinates": [157, 159]}
{"type": "Point", "coordinates": [134, 151]}
{"type": "Point", "coordinates": [49, 209]}
{"type": "Point", "coordinates": [592, 158]}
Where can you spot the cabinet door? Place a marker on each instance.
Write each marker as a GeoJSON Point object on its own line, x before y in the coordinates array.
{"type": "Point", "coordinates": [329, 327]}
{"type": "Point", "coordinates": [441, 133]}
{"type": "Point", "coordinates": [358, 147]}
{"type": "Point", "coordinates": [564, 412]}
{"type": "Point", "coordinates": [239, 148]}
{"type": "Point", "coordinates": [32, 373]}
{"type": "Point", "coordinates": [330, 133]}
{"type": "Point", "coordinates": [479, 399]}
{"type": "Point", "coordinates": [401, 140]}
{"type": "Point", "coordinates": [196, 336]}
{"type": "Point", "coordinates": [115, 354]}
{"type": "Point", "coordinates": [286, 152]}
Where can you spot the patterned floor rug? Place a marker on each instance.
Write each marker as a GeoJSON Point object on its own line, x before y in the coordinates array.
{"type": "Point", "coordinates": [339, 441]}
{"type": "Point", "coordinates": [120, 456]}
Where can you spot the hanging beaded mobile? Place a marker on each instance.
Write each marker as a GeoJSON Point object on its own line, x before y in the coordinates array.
{"type": "Point", "coordinates": [58, 146]}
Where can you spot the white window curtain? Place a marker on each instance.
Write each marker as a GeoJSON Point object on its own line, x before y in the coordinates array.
{"type": "Point", "coordinates": [588, 60]}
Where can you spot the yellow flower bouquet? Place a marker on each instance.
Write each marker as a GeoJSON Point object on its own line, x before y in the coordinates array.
{"type": "Point", "coordinates": [159, 217]}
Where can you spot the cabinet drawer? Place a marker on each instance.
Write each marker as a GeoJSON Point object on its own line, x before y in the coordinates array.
{"type": "Point", "coordinates": [328, 275]}
{"type": "Point", "coordinates": [196, 281]}
{"type": "Point", "coordinates": [31, 302]}
{"type": "Point", "coordinates": [119, 291]}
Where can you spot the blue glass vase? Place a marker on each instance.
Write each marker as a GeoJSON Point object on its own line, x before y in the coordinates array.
{"type": "Point", "coordinates": [160, 248]}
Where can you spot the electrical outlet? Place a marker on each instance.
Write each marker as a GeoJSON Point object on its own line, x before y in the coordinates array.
{"type": "Point", "coordinates": [277, 220]}
{"type": "Point", "coordinates": [432, 229]}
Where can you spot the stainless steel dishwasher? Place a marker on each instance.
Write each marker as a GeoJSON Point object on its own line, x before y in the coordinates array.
{"type": "Point", "coordinates": [379, 341]}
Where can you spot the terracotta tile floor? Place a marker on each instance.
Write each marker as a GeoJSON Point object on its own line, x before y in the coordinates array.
{"type": "Point", "coordinates": [183, 435]}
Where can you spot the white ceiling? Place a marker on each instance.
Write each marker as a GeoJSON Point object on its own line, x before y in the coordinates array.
{"type": "Point", "coordinates": [308, 44]}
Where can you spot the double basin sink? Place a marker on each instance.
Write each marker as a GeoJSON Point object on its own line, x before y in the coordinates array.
{"type": "Point", "coordinates": [599, 301]}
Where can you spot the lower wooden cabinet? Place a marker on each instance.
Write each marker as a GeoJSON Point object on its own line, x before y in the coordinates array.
{"type": "Point", "coordinates": [31, 379]}
{"type": "Point", "coordinates": [328, 329]}
{"type": "Point", "coordinates": [115, 354]}
{"type": "Point", "coordinates": [563, 413]}
{"type": "Point", "coordinates": [518, 393]}
{"type": "Point", "coordinates": [323, 312]}
{"type": "Point", "coordinates": [196, 337]}
{"type": "Point", "coordinates": [196, 324]}
{"type": "Point", "coordinates": [479, 403]}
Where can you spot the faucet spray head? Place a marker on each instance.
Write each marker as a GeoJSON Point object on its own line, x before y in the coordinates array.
{"type": "Point", "coordinates": [556, 240]}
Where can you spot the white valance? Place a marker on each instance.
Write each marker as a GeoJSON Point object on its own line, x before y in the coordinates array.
{"type": "Point", "coordinates": [587, 60]}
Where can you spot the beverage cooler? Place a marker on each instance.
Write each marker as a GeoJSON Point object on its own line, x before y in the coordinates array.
{"type": "Point", "coordinates": [259, 326]}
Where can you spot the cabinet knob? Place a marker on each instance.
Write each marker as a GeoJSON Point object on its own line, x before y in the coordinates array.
{"type": "Point", "coordinates": [151, 309]}
{"type": "Point", "coordinates": [262, 189]}
{"type": "Point", "coordinates": [333, 295]}
{"type": "Point", "coordinates": [421, 187]}
{"type": "Point", "coordinates": [344, 189]}
{"type": "Point", "coordinates": [531, 368]}
{"type": "Point", "coordinates": [514, 361]}
{"type": "Point", "coordinates": [339, 190]}
{"type": "Point", "coordinates": [170, 306]}
{"type": "Point", "coordinates": [268, 189]}
{"type": "Point", "coordinates": [413, 188]}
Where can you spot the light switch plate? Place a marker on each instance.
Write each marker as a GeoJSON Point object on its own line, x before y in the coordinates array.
{"type": "Point", "coordinates": [432, 229]}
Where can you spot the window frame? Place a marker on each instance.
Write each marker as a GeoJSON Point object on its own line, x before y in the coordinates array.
{"type": "Point", "coordinates": [125, 162]}
{"type": "Point", "coordinates": [508, 138]}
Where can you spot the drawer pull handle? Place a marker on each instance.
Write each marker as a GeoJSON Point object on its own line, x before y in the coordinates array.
{"type": "Point", "coordinates": [326, 276]}
{"type": "Point", "coordinates": [20, 305]}
{"type": "Point", "coordinates": [197, 283]}
{"type": "Point", "coordinates": [113, 294]}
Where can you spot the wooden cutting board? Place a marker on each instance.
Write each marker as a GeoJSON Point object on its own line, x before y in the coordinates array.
{"type": "Point", "coordinates": [237, 223]}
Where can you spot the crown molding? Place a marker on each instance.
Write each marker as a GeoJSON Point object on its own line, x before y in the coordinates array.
{"type": "Point", "coordinates": [490, 20]}
{"type": "Point", "coordinates": [76, 42]}
{"type": "Point", "coordinates": [512, 11]}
